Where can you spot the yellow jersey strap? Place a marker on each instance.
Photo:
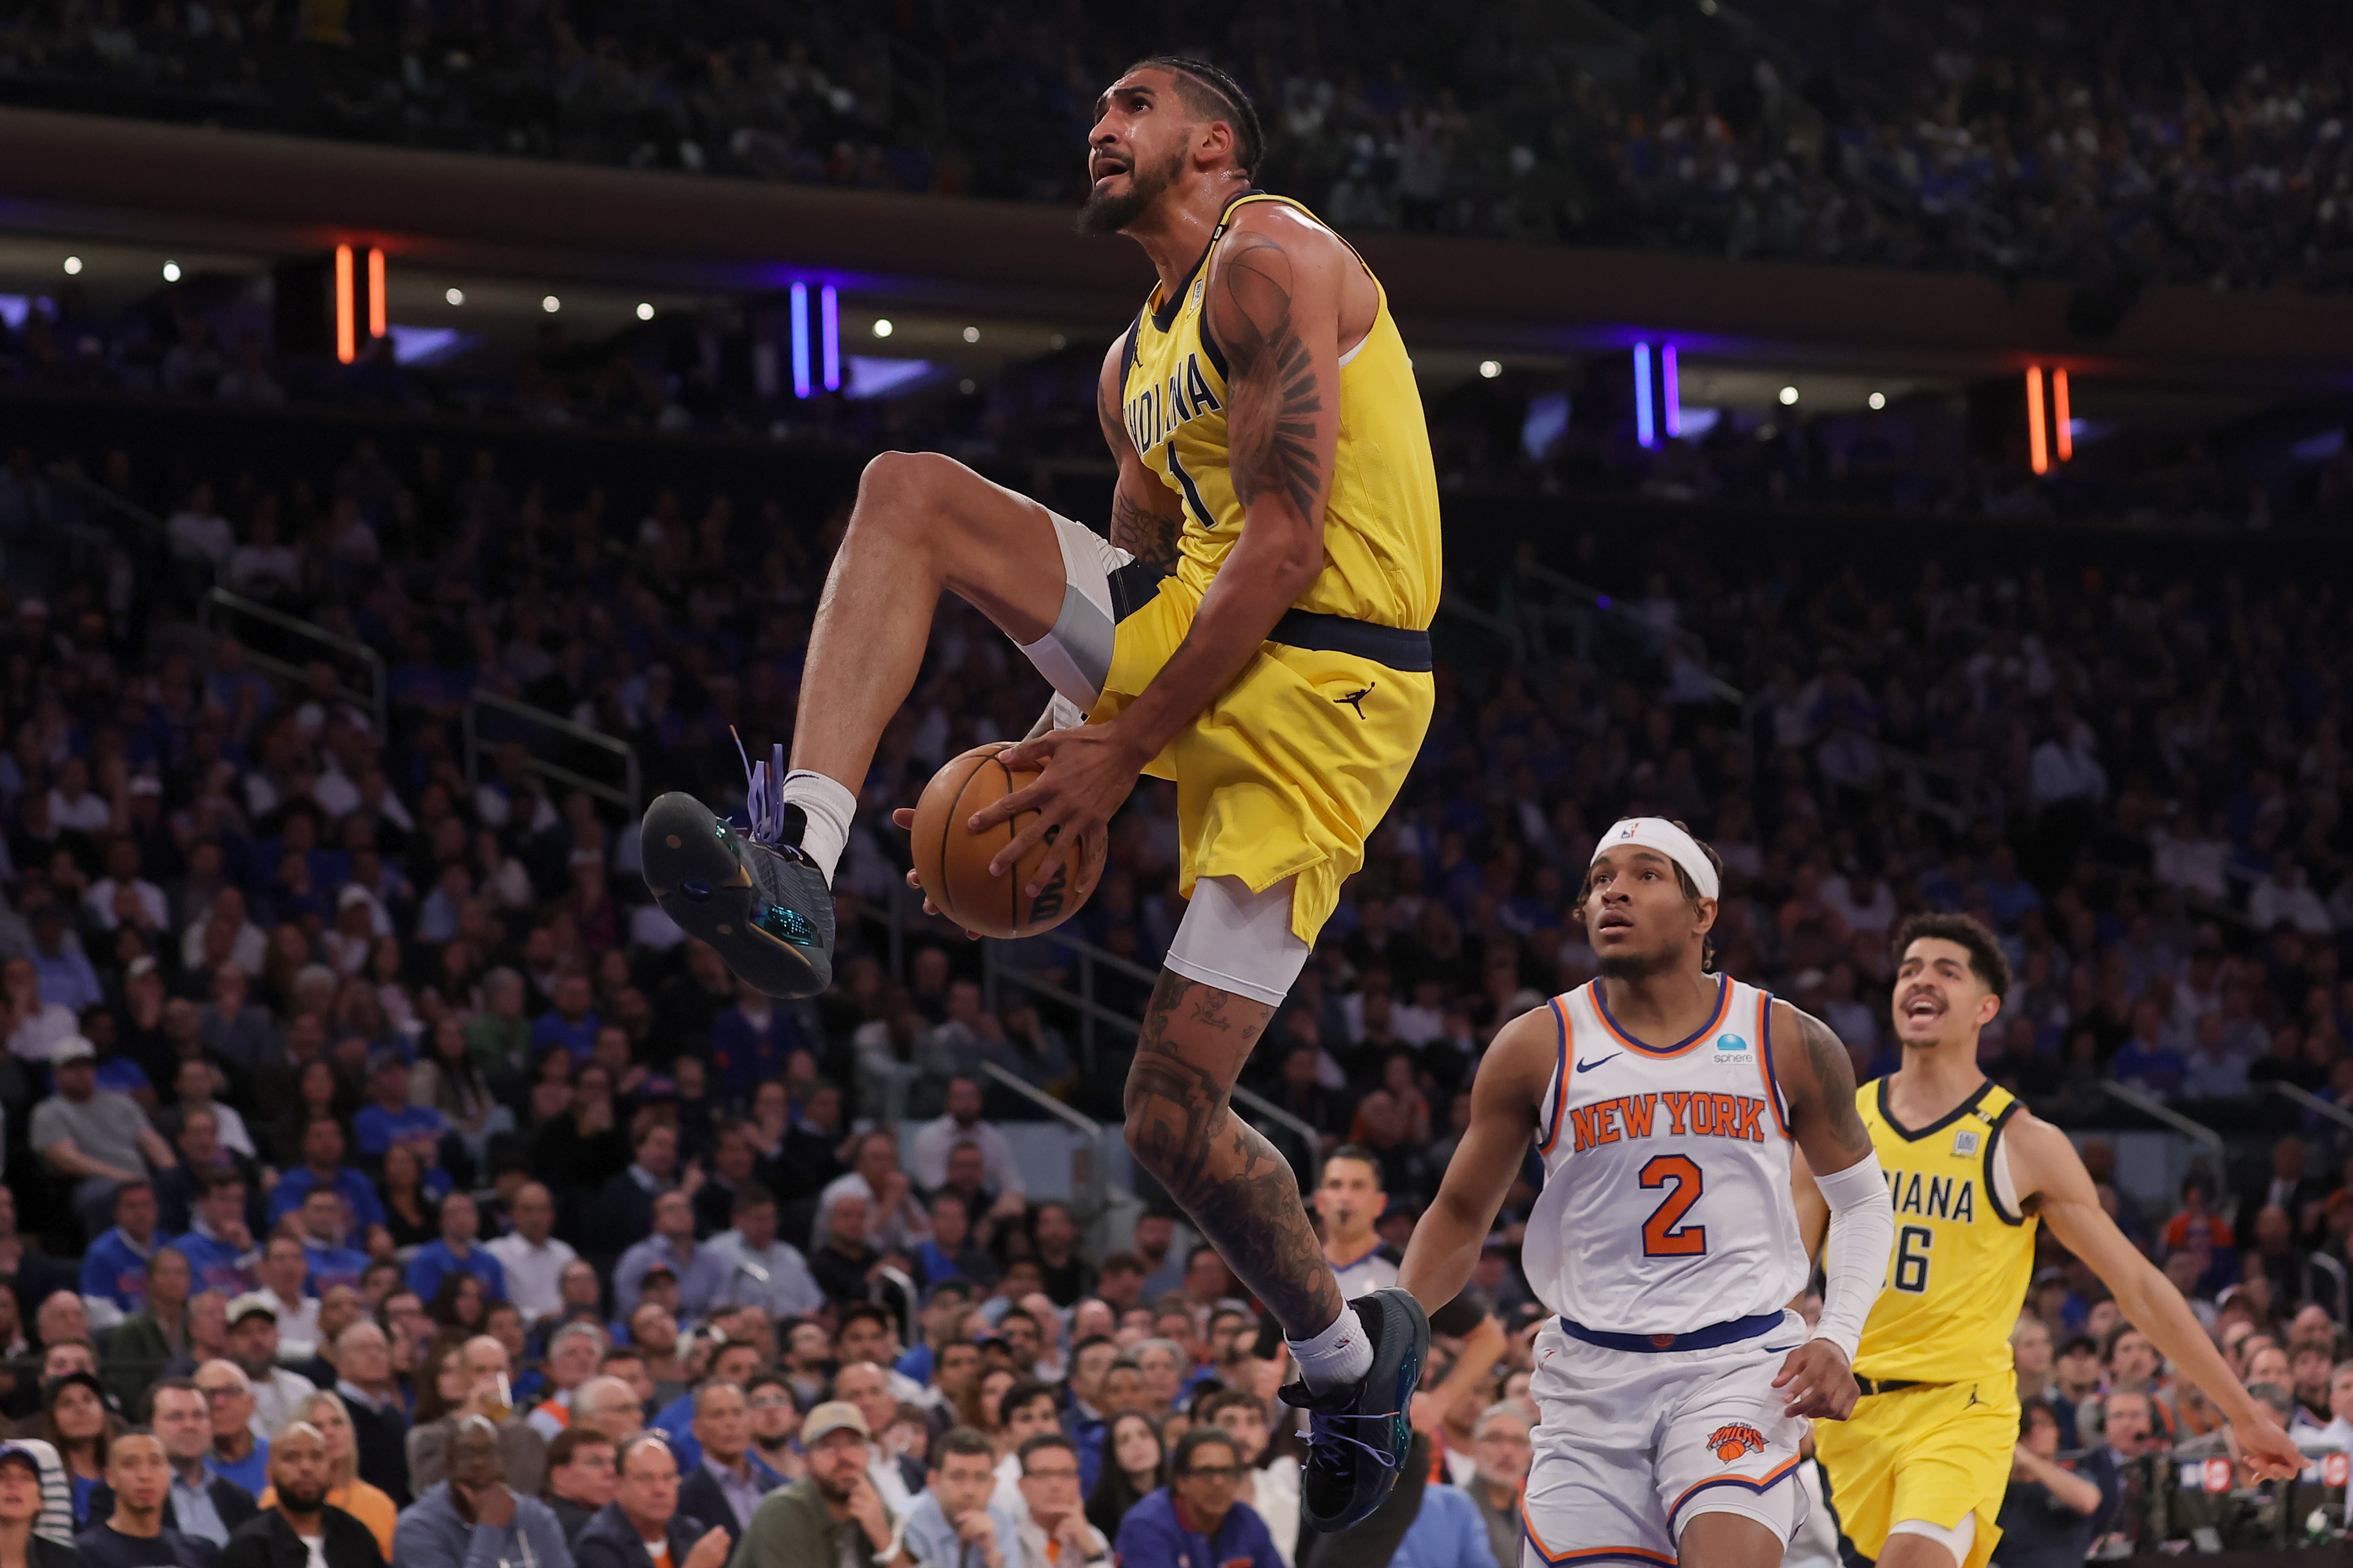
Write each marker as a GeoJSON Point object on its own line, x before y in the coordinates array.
{"type": "Point", "coordinates": [1998, 1107]}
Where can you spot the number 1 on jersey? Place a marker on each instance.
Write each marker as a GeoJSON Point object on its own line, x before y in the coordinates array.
{"type": "Point", "coordinates": [1661, 1238]}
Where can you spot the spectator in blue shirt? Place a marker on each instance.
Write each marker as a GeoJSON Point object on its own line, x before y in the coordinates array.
{"type": "Point", "coordinates": [701, 1273]}
{"type": "Point", "coordinates": [66, 977]}
{"type": "Point", "coordinates": [570, 1023]}
{"type": "Point", "coordinates": [2145, 1060]}
{"type": "Point", "coordinates": [1447, 1532]}
{"type": "Point", "coordinates": [322, 1166]}
{"type": "Point", "coordinates": [219, 1246]}
{"type": "Point", "coordinates": [456, 1253]}
{"type": "Point", "coordinates": [115, 1269]}
{"type": "Point", "coordinates": [391, 1119]}
{"type": "Point", "coordinates": [319, 1225]}
{"type": "Point", "coordinates": [1193, 1521]}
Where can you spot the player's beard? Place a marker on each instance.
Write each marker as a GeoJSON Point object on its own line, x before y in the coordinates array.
{"type": "Point", "coordinates": [1637, 965]}
{"type": "Point", "coordinates": [1112, 215]}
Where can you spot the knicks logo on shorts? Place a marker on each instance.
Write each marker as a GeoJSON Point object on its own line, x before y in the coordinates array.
{"type": "Point", "coordinates": [1731, 1442]}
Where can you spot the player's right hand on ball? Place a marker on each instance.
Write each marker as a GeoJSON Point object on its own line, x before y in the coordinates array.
{"type": "Point", "coordinates": [906, 819]}
{"type": "Point", "coordinates": [1815, 1381]}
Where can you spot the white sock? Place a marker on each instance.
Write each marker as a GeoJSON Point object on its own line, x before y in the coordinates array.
{"type": "Point", "coordinates": [1339, 1355]}
{"type": "Point", "coordinates": [828, 807]}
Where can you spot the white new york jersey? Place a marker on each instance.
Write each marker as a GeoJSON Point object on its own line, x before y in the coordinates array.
{"type": "Point", "coordinates": [1666, 1202]}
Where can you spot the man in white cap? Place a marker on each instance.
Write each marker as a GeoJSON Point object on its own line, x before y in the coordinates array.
{"type": "Point", "coordinates": [833, 1514]}
{"type": "Point", "coordinates": [97, 1137]}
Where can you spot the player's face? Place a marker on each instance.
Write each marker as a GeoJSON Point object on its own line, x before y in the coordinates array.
{"type": "Point", "coordinates": [1350, 1197]}
{"type": "Point", "coordinates": [1938, 999]}
{"type": "Point", "coordinates": [1637, 915]}
{"type": "Point", "coordinates": [1142, 136]}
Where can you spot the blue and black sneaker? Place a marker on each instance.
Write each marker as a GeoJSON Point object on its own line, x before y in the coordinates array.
{"type": "Point", "coordinates": [752, 895]}
{"type": "Point", "coordinates": [1357, 1436]}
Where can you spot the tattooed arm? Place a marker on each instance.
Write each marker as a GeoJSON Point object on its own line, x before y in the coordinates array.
{"type": "Point", "coordinates": [1146, 515]}
{"type": "Point", "coordinates": [1817, 1078]}
{"type": "Point", "coordinates": [1272, 304]}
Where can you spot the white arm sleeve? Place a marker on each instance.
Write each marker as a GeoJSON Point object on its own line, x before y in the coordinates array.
{"type": "Point", "coordinates": [1854, 1253]}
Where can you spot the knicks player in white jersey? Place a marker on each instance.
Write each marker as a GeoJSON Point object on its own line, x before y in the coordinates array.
{"type": "Point", "coordinates": [1673, 1383]}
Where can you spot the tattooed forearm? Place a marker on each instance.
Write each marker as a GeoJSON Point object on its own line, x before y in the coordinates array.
{"type": "Point", "coordinates": [1277, 396]}
{"type": "Point", "coordinates": [1239, 1190]}
{"type": "Point", "coordinates": [1148, 535]}
{"type": "Point", "coordinates": [1832, 1110]}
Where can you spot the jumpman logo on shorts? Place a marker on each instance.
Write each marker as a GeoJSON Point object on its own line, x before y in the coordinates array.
{"type": "Point", "coordinates": [1357, 699]}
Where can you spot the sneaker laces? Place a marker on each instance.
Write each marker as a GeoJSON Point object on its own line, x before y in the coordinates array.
{"type": "Point", "coordinates": [764, 791]}
{"type": "Point", "coordinates": [1322, 1428]}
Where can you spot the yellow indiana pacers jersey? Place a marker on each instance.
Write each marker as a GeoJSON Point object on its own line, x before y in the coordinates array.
{"type": "Point", "coordinates": [1963, 1257]}
{"type": "Point", "coordinates": [1380, 527]}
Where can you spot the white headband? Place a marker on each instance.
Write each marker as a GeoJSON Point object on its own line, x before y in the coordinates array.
{"type": "Point", "coordinates": [1657, 832]}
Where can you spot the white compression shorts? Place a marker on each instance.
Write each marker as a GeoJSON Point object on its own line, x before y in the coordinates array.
{"type": "Point", "coordinates": [1230, 938]}
{"type": "Point", "coordinates": [1956, 1538]}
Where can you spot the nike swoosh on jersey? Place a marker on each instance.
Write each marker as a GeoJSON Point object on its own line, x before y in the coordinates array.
{"type": "Point", "coordinates": [1588, 1066]}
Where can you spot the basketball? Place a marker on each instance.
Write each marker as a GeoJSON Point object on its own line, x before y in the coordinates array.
{"type": "Point", "coordinates": [951, 862]}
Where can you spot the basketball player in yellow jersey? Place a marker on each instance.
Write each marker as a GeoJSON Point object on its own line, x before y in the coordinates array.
{"type": "Point", "coordinates": [1256, 629]}
{"type": "Point", "coordinates": [1917, 1472]}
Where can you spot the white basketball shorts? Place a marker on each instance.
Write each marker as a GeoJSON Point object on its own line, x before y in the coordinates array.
{"type": "Point", "coordinates": [1632, 1444]}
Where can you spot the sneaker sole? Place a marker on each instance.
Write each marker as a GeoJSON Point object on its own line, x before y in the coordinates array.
{"type": "Point", "coordinates": [694, 869]}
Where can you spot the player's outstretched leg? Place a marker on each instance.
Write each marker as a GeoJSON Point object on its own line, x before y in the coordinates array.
{"type": "Point", "coordinates": [922, 524]}
{"type": "Point", "coordinates": [1359, 1362]}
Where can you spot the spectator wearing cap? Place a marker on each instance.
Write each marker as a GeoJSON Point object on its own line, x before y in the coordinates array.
{"type": "Point", "coordinates": [322, 1166]}
{"type": "Point", "coordinates": [115, 1269]}
{"type": "Point", "coordinates": [831, 1516]}
{"type": "Point", "coordinates": [474, 1516]}
{"type": "Point", "coordinates": [642, 1526]}
{"type": "Point", "coordinates": [389, 1118]}
{"type": "Point", "coordinates": [701, 1273]}
{"type": "Point", "coordinates": [20, 1510]}
{"type": "Point", "coordinates": [97, 1137]}
{"type": "Point", "coordinates": [253, 1346]}
{"type": "Point", "coordinates": [303, 1530]}
{"type": "Point", "coordinates": [131, 1533]}
{"type": "Point", "coordinates": [456, 1253]}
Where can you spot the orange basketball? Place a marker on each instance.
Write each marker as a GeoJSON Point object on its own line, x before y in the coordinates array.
{"type": "Point", "coordinates": [952, 861]}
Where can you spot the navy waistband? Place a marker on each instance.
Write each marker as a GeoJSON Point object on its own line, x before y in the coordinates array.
{"type": "Point", "coordinates": [1705, 1339]}
{"type": "Point", "coordinates": [1398, 647]}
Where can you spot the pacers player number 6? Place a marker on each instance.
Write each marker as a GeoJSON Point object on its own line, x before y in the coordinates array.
{"type": "Point", "coordinates": [1911, 1275]}
{"type": "Point", "coordinates": [1661, 1238]}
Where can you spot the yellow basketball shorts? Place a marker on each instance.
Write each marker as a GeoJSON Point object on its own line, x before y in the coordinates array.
{"type": "Point", "coordinates": [1289, 769]}
{"type": "Point", "coordinates": [1938, 1453]}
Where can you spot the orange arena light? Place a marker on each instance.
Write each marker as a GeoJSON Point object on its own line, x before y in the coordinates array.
{"type": "Point", "coordinates": [376, 328]}
{"type": "Point", "coordinates": [2038, 449]}
{"type": "Point", "coordinates": [2061, 425]}
{"type": "Point", "coordinates": [347, 347]}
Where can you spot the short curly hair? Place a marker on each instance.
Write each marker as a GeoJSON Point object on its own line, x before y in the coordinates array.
{"type": "Point", "coordinates": [1987, 961]}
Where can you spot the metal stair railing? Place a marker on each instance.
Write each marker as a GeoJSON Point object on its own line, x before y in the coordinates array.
{"type": "Point", "coordinates": [628, 794]}
{"type": "Point", "coordinates": [375, 699]}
